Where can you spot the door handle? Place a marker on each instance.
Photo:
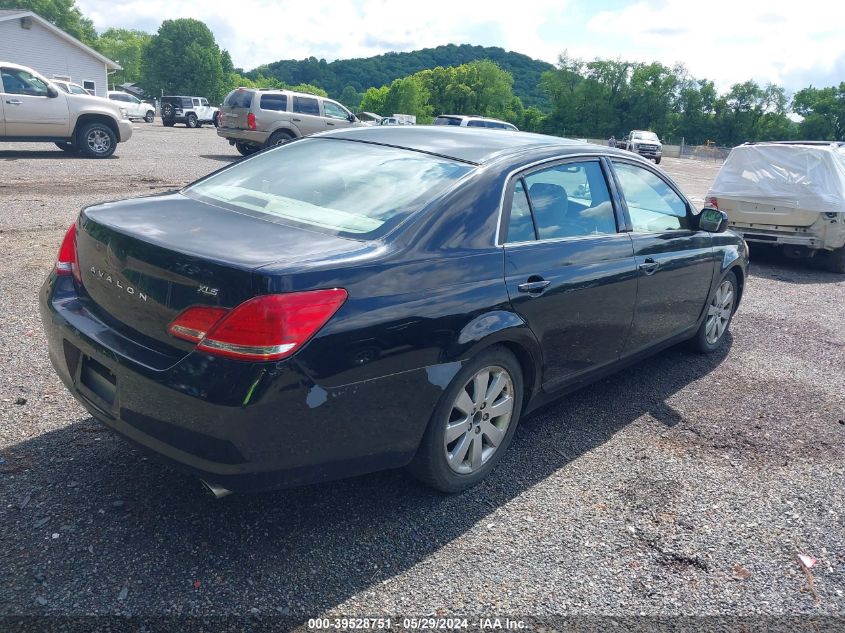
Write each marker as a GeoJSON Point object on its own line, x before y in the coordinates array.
{"type": "Point", "coordinates": [331, 124]}
{"type": "Point", "coordinates": [649, 266]}
{"type": "Point", "coordinates": [14, 101]}
{"type": "Point", "coordinates": [534, 287]}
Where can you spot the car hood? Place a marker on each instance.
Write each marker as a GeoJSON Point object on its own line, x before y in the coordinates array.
{"type": "Point", "coordinates": [80, 101]}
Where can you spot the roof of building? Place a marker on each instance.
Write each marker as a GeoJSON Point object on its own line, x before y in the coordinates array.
{"type": "Point", "coordinates": [13, 14]}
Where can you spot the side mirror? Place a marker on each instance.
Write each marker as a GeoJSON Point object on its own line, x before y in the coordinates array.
{"type": "Point", "coordinates": [713, 220]}
{"type": "Point", "coordinates": [352, 118]}
{"type": "Point", "coordinates": [52, 92]}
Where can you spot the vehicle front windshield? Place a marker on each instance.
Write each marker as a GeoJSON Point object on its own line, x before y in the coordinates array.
{"type": "Point", "coordinates": [336, 186]}
{"type": "Point", "coordinates": [645, 136]}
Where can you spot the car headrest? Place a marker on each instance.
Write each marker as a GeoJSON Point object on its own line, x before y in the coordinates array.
{"type": "Point", "coordinates": [548, 198]}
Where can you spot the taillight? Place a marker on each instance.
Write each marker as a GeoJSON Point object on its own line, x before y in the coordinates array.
{"type": "Point", "coordinates": [269, 327]}
{"type": "Point", "coordinates": [194, 323]}
{"type": "Point", "coordinates": [66, 260]}
{"type": "Point", "coordinates": [711, 201]}
{"type": "Point", "coordinates": [250, 121]}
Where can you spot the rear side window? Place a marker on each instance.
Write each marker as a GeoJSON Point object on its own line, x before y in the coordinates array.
{"type": "Point", "coordinates": [477, 123]}
{"type": "Point", "coordinates": [239, 99]}
{"type": "Point", "coordinates": [520, 225]}
{"type": "Point", "coordinates": [279, 103]}
{"type": "Point", "coordinates": [446, 120]}
{"type": "Point", "coordinates": [653, 205]}
{"type": "Point", "coordinates": [306, 105]}
{"type": "Point", "coordinates": [570, 200]}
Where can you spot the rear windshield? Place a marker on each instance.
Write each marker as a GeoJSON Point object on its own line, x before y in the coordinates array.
{"type": "Point", "coordinates": [446, 120]}
{"type": "Point", "coordinates": [239, 99]}
{"type": "Point", "coordinates": [335, 186]}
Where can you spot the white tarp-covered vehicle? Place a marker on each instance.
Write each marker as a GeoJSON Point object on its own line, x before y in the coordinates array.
{"type": "Point", "coordinates": [787, 194]}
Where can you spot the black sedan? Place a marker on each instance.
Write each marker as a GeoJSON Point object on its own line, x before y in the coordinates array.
{"type": "Point", "coordinates": [379, 297]}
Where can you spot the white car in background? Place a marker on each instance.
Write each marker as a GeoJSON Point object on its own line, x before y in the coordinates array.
{"type": "Point", "coordinates": [136, 108]}
{"type": "Point", "coordinates": [787, 194]}
{"type": "Point", "coordinates": [70, 87]}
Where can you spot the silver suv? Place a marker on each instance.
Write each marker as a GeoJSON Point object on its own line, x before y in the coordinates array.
{"type": "Point", "coordinates": [253, 119]}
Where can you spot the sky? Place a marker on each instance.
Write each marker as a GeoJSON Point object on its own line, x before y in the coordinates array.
{"type": "Point", "coordinates": [794, 44]}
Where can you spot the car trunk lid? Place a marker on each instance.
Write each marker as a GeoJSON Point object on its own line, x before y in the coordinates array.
{"type": "Point", "coordinates": [144, 261]}
{"type": "Point", "coordinates": [749, 212]}
{"type": "Point", "coordinates": [236, 108]}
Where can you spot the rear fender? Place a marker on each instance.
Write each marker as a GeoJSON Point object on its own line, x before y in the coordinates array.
{"type": "Point", "coordinates": [508, 329]}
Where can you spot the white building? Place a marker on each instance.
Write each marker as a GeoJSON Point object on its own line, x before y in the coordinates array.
{"type": "Point", "coordinates": [29, 40]}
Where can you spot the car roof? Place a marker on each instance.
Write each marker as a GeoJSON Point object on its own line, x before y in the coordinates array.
{"type": "Point", "coordinates": [472, 145]}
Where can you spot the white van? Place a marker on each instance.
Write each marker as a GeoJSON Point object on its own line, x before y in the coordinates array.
{"type": "Point", "coordinates": [789, 194]}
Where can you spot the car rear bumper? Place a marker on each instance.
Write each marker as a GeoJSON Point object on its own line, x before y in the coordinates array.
{"type": "Point", "coordinates": [124, 130]}
{"type": "Point", "coordinates": [242, 426]}
{"type": "Point", "coordinates": [233, 135]}
{"type": "Point", "coordinates": [806, 237]}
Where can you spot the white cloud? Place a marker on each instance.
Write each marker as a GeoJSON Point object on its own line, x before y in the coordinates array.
{"type": "Point", "coordinates": [261, 31]}
{"type": "Point", "coordinates": [728, 41]}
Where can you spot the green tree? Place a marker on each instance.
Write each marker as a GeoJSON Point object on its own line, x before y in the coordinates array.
{"type": "Point", "coordinates": [126, 47]}
{"type": "Point", "coordinates": [823, 110]}
{"type": "Point", "coordinates": [408, 96]}
{"type": "Point", "coordinates": [63, 13]}
{"type": "Point", "coordinates": [183, 58]}
{"type": "Point", "coordinates": [351, 98]}
{"type": "Point", "coordinates": [375, 100]}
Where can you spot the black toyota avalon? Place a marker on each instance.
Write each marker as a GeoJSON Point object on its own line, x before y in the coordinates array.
{"type": "Point", "coordinates": [379, 297]}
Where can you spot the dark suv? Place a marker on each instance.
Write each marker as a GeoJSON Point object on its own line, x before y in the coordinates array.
{"type": "Point", "coordinates": [192, 111]}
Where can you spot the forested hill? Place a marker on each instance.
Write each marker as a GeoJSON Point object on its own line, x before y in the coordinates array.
{"type": "Point", "coordinates": [380, 70]}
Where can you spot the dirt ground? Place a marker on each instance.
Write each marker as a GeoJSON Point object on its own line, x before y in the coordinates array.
{"type": "Point", "coordinates": [685, 485]}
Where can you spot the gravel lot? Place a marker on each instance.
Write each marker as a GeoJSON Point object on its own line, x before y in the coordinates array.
{"type": "Point", "coordinates": [684, 485]}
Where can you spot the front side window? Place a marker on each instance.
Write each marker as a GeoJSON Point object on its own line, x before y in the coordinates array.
{"type": "Point", "coordinates": [334, 111]}
{"type": "Point", "coordinates": [570, 200]}
{"type": "Point", "coordinates": [306, 105]}
{"type": "Point", "coordinates": [204, 101]}
{"type": "Point", "coordinates": [340, 187]}
{"type": "Point", "coordinates": [21, 82]}
{"type": "Point", "coordinates": [653, 205]}
{"type": "Point", "coordinates": [277, 103]}
{"type": "Point", "coordinates": [476, 123]}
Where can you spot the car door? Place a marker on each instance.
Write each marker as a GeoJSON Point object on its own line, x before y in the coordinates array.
{"type": "Point", "coordinates": [674, 259]}
{"type": "Point", "coordinates": [306, 115]}
{"type": "Point", "coordinates": [569, 270]}
{"type": "Point", "coordinates": [335, 115]}
{"type": "Point", "coordinates": [2, 116]}
{"type": "Point", "coordinates": [136, 107]}
{"type": "Point", "coordinates": [29, 109]}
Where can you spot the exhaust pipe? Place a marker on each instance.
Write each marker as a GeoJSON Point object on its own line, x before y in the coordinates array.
{"type": "Point", "coordinates": [218, 491]}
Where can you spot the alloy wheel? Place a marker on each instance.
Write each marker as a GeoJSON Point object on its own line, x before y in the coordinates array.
{"type": "Point", "coordinates": [479, 419]}
{"type": "Point", "coordinates": [719, 312]}
{"type": "Point", "coordinates": [98, 141]}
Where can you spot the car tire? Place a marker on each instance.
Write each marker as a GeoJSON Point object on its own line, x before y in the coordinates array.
{"type": "Point", "coordinates": [245, 149]}
{"type": "Point", "coordinates": [149, 116]}
{"type": "Point", "coordinates": [191, 121]}
{"type": "Point", "coordinates": [70, 148]}
{"type": "Point", "coordinates": [657, 161]}
{"type": "Point", "coordinates": [96, 140]}
{"type": "Point", "coordinates": [719, 314]}
{"type": "Point", "coordinates": [279, 137]}
{"type": "Point", "coordinates": [214, 119]}
{"type": "Point", "coordinates": [167, 123]}
{"type": "Point", "coordinates": [836, 260]}
{"type": "Point", "coordinates": [457, 461]}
